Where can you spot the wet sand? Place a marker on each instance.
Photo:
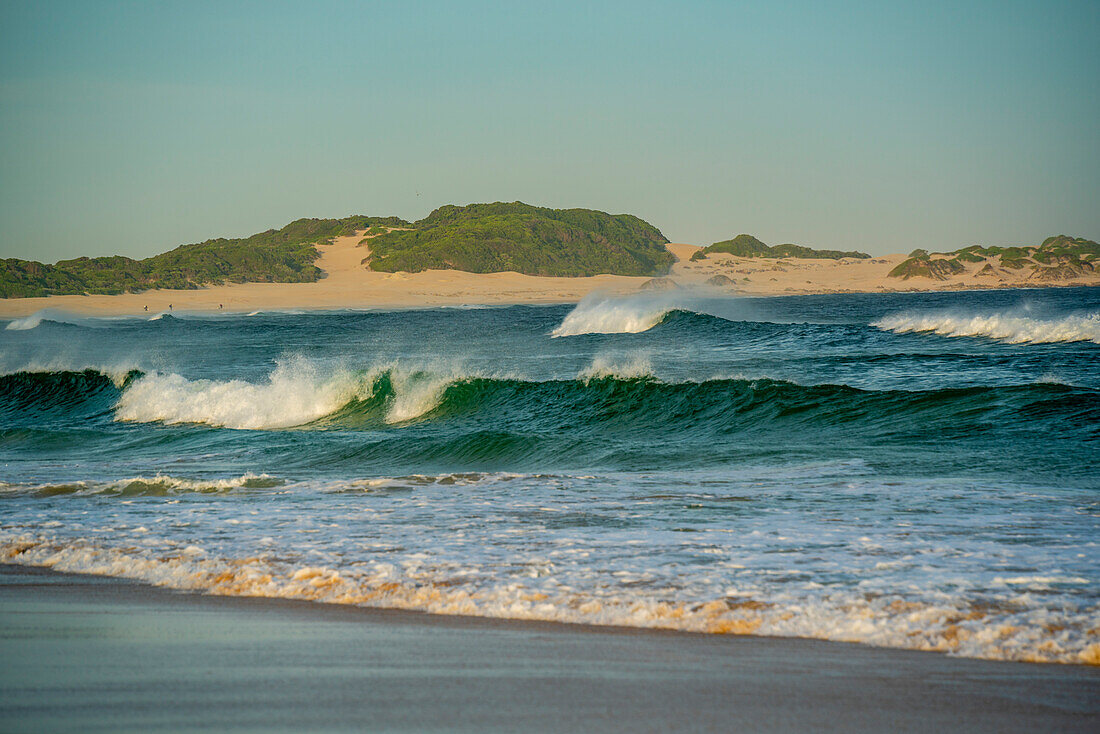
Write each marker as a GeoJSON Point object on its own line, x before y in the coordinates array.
{"type": "Point", "coordinates": [87, 654]}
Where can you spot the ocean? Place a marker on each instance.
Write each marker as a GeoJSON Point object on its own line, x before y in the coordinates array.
{"type": "Point", "coordinates": [912, 470]}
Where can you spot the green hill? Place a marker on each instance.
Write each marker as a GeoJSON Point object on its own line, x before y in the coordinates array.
{"type": "Point", "coordinates": [745, 245]}
{"type": "Point", "coordinates": [1058, 258]}
{"type": "Point", "coordinates": [479, 238]}
{"type": "Point", "coordinates": [284, 255]}
{"type": "Point", "coordinates": [489, 238]}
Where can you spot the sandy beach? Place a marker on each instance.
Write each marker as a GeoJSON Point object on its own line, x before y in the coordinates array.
{"type": "Point", "coordinates": [348, 283]}
{"type": "Point", "coordinates": [89, 653]}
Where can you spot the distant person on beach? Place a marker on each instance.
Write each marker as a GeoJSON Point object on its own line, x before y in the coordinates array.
{"type": "Point", "coordinates": [146, 308]}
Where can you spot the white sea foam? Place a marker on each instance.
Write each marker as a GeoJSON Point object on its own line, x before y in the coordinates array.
{"type": "Point", "coordinates": [951, 625]}
{"type": "Point", "coordinates": [156, 484]}
{"type": "Point", "coordinates": [1005, 326]}
{"type": "Point", "coordinates": [297, 392]}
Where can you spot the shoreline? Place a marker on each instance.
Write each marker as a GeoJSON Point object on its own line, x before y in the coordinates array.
{"type": "Point", "coordinates": [275, 664]}
{"type": "Point", "coordinates": [201, 304]}
{"type": "Point", "coordinates": [348, 285]}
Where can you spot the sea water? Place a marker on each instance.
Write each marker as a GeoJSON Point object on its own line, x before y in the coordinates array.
{"type": "Point", "coordinates": [906, 470]}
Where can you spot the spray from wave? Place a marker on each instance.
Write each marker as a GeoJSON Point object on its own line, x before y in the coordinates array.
{"type": "Point", "coordinates": [632, 367]}
{"type": "Point", "coordinates": [603, 314]}
{"type": "Point", "coordinates": [606, 315]}
{"type": "Point", "coordinates": [38, 317]}
{"type": "Point", "coordinates": [1005, 326]}
{"type": "Point", "coordinates": [118, 372]}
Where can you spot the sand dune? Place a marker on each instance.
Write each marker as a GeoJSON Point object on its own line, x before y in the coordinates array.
{"type": "Point", "coordinates": [788, 276]}
{"type": "Point", "coordinates": [350, 284]}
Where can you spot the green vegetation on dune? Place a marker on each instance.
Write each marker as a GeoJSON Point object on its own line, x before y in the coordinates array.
{"type": "Point", "coordinates": [488, 238]}
{"type": "Point", "coordinates": [485, 238]}
{"type": "Point", "coordinates": [745, 245]}
{"type": "Point", "coordinates": [479, 238]}
{"type": "Point", "coordinates": [284, 255]}
{"type": "Point", "coordinates": [925, 267]}
{"type": "Point", "coordinates": [1057, 258]}
{"type": "Point", "coordinates": [968, 256]}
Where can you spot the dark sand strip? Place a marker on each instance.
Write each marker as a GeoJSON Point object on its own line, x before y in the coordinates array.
{"type": "Point", "coordinates": [88, 654]}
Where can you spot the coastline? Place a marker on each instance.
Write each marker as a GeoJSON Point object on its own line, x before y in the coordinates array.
{"type": "Point", "coordinates": [162, 657]}
{"type": "Point", "coordinates": [349, 285]}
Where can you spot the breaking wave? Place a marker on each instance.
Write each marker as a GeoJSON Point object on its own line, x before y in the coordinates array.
{"type": "Point", "coordinates": [608, 395]}
{"type": "Point", "coordinates": [601, 314]}
{"type": "Point", "coordinates": [296, 393]}
{"type": "Point", "coordinates": [159, 485]}
{"type": "Point", "coordinates": [39, 317]}
{"type": "Point", "coordinates": [1008, 327]}
{"type": "Point", "coordinates": [608, 316]}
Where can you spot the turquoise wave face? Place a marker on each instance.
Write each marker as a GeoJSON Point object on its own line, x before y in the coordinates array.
{"type": "Point", "coordinates": [915, 470]}
{"type": "Point", "coordinates": [394, 421]}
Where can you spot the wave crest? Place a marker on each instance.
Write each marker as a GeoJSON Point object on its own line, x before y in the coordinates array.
{"type": "Point", "coordinates": [296, 393]}
{"type": "Point", "coordinates": [38, 317]}
{"type": "Point", "coordinates": [605, 315]}
{"type": "Point", "coordinates": [159, 485]}
{"type": "Point", "coordinates": [1004, 326]}
{"type": "Point", "coordinates": [613, 393]}
{"type": "Point", "coordinates": [636, 367]}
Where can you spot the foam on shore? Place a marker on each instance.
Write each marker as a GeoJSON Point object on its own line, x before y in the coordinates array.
{"type": "Point", "coordinates": [1002, 632]}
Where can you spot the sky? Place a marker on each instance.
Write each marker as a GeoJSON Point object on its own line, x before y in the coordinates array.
{"type": "Point", "coordinates": [133, 127]}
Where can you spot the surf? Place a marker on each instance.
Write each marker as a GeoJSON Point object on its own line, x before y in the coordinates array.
{"type": "Point", "coordinates": [609, 395]}
{"type": "Point", "coordinates": [46, 315]}
{"type": "Point", "coordinates": [1007, 326]}
{"type": "Point", "coordinates": [604, 314]}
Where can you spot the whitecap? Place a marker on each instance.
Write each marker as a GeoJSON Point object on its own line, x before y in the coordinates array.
{"type": "Point", "coordinates": [296, 392]}
{"type": "Point", "coordinates": [1004, 326]}
{"type": "Point", "coordinates": [608, 315]}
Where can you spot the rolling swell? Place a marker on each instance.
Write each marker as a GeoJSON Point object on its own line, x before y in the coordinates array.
{"type": "Point", "coordinates": [587, 406]}
{"type": "Point", "coordinates": [72, 395]}
{"type": "Point", "coordinates": [639, 406]}
{"type": "Point", "coordinates": [410, 420]}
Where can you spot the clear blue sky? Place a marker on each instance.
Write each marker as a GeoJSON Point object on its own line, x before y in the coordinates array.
{"type": "Point", "coordinates": [132, 127]}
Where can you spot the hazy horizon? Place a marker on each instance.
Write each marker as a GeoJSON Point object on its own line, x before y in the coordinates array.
{"type": "Point", "coordinates": [129, 128]}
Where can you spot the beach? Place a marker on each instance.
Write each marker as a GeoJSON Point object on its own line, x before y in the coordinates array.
{"type": "Point", "coordinates": [446, 367]}
{"type": "Point", "coordinates": [349, 284]}
{"type": "Point", "coordinates": [89, 653]}
{"type": "Point", "coordinates": [655, 511]}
